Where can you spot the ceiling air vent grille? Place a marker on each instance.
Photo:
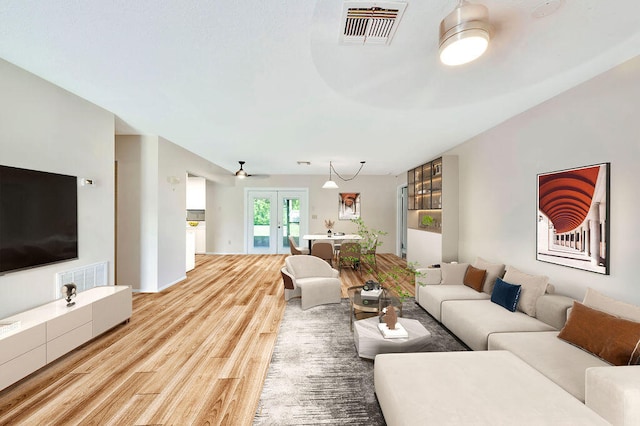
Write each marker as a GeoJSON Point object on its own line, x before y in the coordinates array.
{"type": "Point", "coordinates": [373, 23]}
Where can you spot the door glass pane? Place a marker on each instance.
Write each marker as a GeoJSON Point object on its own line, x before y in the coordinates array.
{"type": "Point", "coordinates": [291, 220]}
{"type": "Point", "coordinates": [261, 222]}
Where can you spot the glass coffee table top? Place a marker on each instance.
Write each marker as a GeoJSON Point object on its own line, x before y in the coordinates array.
{"type": "Point", "coordinates": [364, 308]}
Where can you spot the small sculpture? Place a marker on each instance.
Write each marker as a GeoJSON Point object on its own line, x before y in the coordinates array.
{"type": "Point", "coordinates": [69, 292]}
{"type": "Point", "coordinates": [391, 318]}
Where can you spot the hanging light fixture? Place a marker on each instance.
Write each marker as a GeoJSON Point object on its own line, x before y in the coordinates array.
{"type": "Point", "coordinates": [241, 174]}
{"type": "Point", "coordinates": [464, 34]}
{"type": "Point", "coordinates": [330, 184]}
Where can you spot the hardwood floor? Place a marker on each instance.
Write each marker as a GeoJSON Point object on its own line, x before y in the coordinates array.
{"type": "Point", "coordinates": [196, 353]}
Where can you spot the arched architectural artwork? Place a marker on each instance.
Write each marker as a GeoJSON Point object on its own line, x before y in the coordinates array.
{"type": "Point", "coordinates": [573, 218]}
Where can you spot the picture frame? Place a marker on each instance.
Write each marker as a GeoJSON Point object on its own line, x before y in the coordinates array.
{"type": "Point", "coordinates": [572, 223]}
{"type": "Point", "coordinates": [348, 205]}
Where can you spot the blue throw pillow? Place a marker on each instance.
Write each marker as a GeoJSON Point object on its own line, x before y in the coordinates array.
{"type": "Point", "coordinates": [506, 295]}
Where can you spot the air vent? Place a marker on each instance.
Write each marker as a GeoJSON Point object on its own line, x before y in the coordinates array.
{"type": "Point", "coordinates": [84, 278]}
{"type": "Point", "coordinates": [370, 23]}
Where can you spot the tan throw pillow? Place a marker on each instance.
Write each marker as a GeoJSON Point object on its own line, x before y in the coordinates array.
{"type": "Point", "coordinates": [613, 339]}
{"type": "Point", "coordinates": [494, 270]}
{"type": "Point", "coordinates": [474, 278]}
{"type": "Point", "coordinates": [453, 273]}
{"type": "Point", "coordinates": [533, 286]}
{"type": "Point", "coordinates": [603, 303]}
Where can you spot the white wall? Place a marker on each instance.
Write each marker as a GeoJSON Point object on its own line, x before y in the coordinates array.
{"type": "Point", "coordinates": [43, 127]}
{"type": "Point", "coordinates": [593, 123]}
{"type": "Point", "coordinates": [152, 209]}
{"type": "Point", "coordinates": [225, 229]}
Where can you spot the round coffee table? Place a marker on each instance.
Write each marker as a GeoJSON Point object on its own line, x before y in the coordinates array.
{"type": "Point", "coordinates": [364, 308]}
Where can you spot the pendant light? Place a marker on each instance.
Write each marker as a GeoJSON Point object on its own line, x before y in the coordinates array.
{"type": "Point", "coordinates": [330, 184]}
{"type": "Point", "coordinates": [464, 34]}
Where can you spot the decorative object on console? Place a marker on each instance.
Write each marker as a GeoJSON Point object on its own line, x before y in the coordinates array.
{"type": "Point", "coordinates": [69, 292]}
{"type": "Point", "coordinates": [573, 218]}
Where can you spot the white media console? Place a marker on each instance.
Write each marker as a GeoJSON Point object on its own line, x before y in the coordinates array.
{"type": "Point", "coordinates": [43, 334]}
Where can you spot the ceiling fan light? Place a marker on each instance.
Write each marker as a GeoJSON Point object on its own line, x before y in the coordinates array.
{"type": "Point", "coordinates": [241, 174]}
{"type": "Point", "coordinates": [464, 34]}
{"type": "Point", "coordinates": [330, 185]}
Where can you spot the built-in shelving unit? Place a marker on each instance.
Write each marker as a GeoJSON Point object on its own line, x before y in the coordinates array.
{"type": "Point", "coordinates": [432, 219]}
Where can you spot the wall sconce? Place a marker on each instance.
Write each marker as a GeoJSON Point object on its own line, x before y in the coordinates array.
{"type": "Point", "coordinates": [173, 181]}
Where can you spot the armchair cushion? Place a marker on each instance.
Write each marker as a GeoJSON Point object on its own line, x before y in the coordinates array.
{"type": "Point", "coordinates": [304, 266]}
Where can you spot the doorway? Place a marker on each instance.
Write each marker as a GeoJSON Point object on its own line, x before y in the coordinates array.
{"type": "Point", "coordinates": [273, 216]}
{"type": "Point", "coordinates": [402, 221]}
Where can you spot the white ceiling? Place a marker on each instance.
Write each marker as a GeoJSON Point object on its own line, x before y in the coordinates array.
{"type": "Point", "coordinates": [267, 82]}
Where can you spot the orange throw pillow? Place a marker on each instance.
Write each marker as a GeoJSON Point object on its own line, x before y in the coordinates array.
{"type": "Point", "coordinates": [611, 338]}
{"type": "Point", "coordinates": [474, 278]}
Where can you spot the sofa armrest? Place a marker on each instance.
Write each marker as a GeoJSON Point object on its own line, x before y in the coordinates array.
{"type": "Point", "coordinates": [552, 309]}
{"type": "Point", "coordinates": [614, 393]}
{"type": "Point", "coordinates": [426, 276]}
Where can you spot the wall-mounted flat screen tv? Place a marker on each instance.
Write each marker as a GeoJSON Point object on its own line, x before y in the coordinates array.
{"type": "Point", "coordinates": [38, 218]}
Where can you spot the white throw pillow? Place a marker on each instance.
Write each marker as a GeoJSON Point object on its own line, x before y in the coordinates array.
{"type": "Point", "coordinates": [453, 273]}
{"type": "Point", "coordinates": [533, 286]}
{"type": "Point", "coordinates": [599, 301]}
{"type": "Point", "coordinates": [494, 271]}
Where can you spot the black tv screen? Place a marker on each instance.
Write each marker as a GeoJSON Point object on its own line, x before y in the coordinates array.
{"type": "Point", "coordinates": [38, 218]}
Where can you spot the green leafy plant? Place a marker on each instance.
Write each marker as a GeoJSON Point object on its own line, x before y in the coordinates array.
{"type": "Point", "coordinates": [427, 220]}
{"type": "Point", "coordinates": [389, 279]}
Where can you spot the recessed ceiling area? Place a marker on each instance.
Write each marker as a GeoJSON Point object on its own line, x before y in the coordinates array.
{"type": "Point", "coordinates": [234, 80]}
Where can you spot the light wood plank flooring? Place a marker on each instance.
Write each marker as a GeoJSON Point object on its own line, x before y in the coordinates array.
{"type": "Point", "coordinates": [196, 353]}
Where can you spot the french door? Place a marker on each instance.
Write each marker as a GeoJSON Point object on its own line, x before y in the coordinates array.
{"type": "Point", "coordinates": [273, 216]}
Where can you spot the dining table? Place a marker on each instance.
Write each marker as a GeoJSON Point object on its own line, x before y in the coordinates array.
{"type": "Point", "coordinates": [333, 237]}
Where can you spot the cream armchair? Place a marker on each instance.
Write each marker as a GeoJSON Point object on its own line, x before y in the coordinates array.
{"type": "Point", "coordinates": [312, 279]}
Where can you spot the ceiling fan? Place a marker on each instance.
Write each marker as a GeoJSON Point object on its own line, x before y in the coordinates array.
{"type": "Point", "coordinates": [242, 173]}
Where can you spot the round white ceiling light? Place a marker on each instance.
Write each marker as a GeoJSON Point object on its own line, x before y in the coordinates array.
{"type": "Point", "coordinates": [464, 34]}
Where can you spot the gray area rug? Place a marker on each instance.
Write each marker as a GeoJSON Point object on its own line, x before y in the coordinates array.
{"type": "Point", "coordinates": [316, 376]}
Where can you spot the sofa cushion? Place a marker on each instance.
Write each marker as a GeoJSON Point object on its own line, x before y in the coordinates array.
{"type": "Point", "coordinates": [603, 303]}
{"type": "Point", "coordinates": [613, 339]}
{"type": "Point", "coordinates": [494, 270]}
{"type": "Point", "coordinates": [472, 321]}
{"type": "Point", "coordinates": [533, 286]}
{"type": "Point", "coordinates": [474, 278]}
{"type": "Point", "coordinates": [561, 362]}
{"type": "Point", "coordinates": [453, 273]}
{"type": "Point", "coordinates": [471, 388]}
{"type": "Point", "coordinates": [431, 296]}
{"type": "Point", "coordinates": [506, 295]}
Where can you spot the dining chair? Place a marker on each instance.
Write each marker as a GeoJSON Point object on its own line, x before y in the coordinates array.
{"type": "Point", "coordinates": [323, 250]}
{"type": "Point", "coordinates": [296, 249]}
{"type": "Point", "coordinates": [350, 256]}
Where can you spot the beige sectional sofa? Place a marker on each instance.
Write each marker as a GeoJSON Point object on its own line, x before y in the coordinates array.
{"type": "Point", "coordinates": [610, 392]}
